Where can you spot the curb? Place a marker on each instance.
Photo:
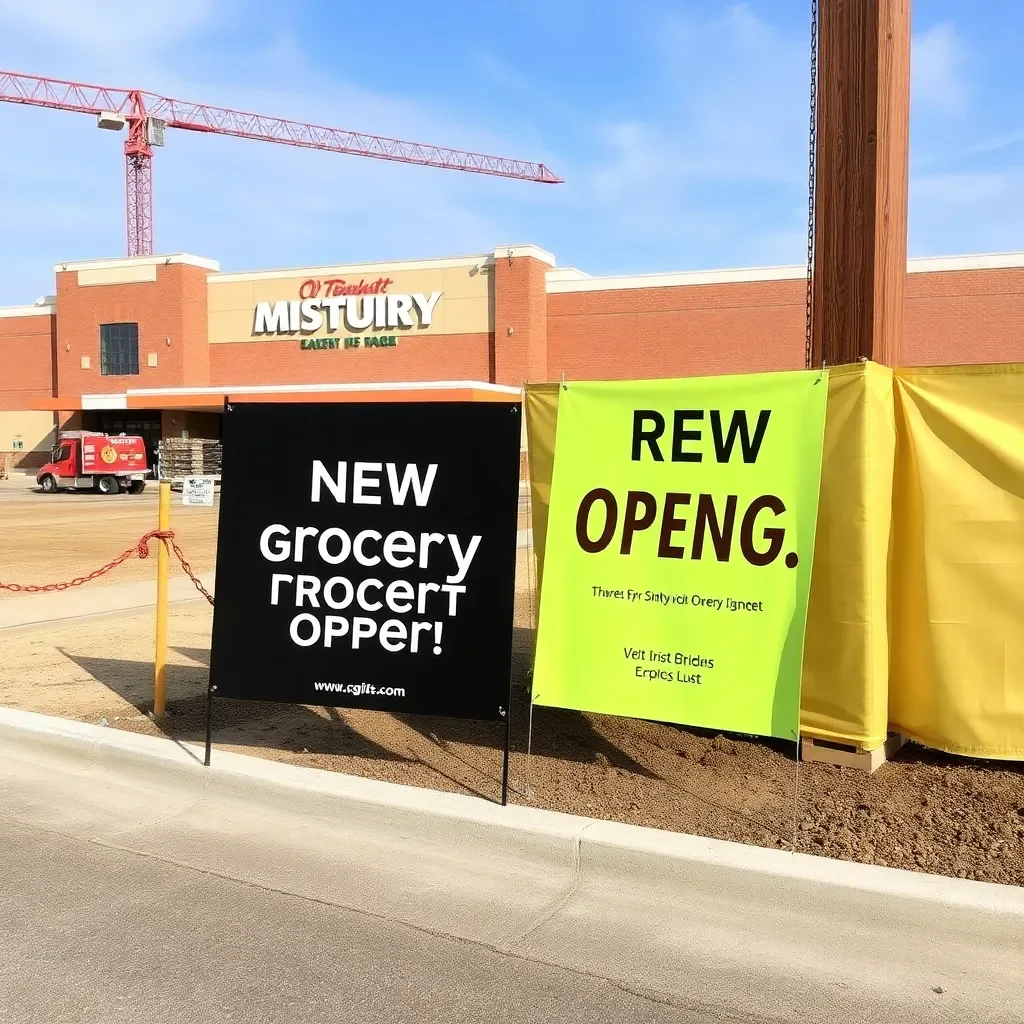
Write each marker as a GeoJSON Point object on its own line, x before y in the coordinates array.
{"type": "Point", "coordinates": [591, 849]}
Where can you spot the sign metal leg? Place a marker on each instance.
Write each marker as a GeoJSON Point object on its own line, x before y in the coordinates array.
{"type": "Point", "coordinates": [504, 768]}
{"type": "Point", "coordinates": [209, 724]}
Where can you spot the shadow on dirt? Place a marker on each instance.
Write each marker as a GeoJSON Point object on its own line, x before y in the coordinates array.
{"type": "Point", "coordinates": [556, 733]}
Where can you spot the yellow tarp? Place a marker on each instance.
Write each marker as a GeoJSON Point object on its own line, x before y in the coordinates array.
{"type": "Point", "coordinates": [846, 659]}
{"type": "Point", "coordinates": [541, 419]}
{"type": "Point", "coordinates": [957, 576]}
{"type": "Point", "coordinates": [922, 631]}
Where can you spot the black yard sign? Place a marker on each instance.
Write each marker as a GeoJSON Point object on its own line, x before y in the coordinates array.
{"type": "Point", "coordinates": [366, 556]}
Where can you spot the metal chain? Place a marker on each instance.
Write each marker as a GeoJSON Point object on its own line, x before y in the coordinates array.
{"type": "Point", "coordinates": [140, 548]}
{"type": "Point", "coordinates": [188, 569]}
{"type": "Point", "coordinates": [811, 167]}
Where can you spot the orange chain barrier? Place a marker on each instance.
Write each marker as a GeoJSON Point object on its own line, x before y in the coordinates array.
{"type": "Point", "coordinates": [141, 548]}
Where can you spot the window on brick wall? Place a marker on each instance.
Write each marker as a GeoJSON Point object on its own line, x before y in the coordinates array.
{"type": "Point", "coordinates": [119, 349]}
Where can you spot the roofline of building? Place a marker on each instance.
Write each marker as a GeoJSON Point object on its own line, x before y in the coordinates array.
{"type": "Point", "coordinates": [516, 251]}
{"type": "Point", "coordinates": [137, 261]}
{"type": "Point", "coordinates": [570, 279]}
{"type": "Point", "coordinates": [36, 309]}
{"type": "Point", "coordinates": [979, 261]}
{"type": "Point", "coordinates": [557, 281]}
{"type": "Point", "coordinates": [480, 260]}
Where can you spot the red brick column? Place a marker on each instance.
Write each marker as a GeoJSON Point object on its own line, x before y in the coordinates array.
{"type": "Point", "coordinates": [520, 314]}
{"type": "Point", "coordinates": [169, 305]}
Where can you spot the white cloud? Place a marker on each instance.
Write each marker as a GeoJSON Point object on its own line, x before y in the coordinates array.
{"type": "Point", "coordinates": [938, 61]}
{"type": "Point", "coordinates": [966, 189]}
{"type": "Point", "coordinates": [731, 126]}
{"type": "Point", "coordinates": [747, 92]}
{"type": "Point", "coordinates": [994, 145]}
{"type": "Point", "coordinates": [105, 26]}
{"type": "Point", "coordinates": [975, 211]}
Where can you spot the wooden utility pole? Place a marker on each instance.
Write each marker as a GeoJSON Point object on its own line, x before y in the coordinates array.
{"type": "Point", "coordinates": [860, 204]}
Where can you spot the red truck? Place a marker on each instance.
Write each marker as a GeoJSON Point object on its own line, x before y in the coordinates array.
{"type": "Point", "coordinates": [107, 463]}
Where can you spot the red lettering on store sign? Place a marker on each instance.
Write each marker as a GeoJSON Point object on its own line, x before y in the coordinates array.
{"type": "Point", "coordinates": [332, 286]}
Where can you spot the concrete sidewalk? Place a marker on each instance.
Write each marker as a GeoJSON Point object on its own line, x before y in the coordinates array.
{"type": "Point", "coordinates": [743, 933]}
{"type": "Point", "coordinates": [55, 606]}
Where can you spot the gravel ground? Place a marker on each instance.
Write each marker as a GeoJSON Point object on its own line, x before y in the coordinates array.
{"type": "Point", "coordinates": [924, 811]}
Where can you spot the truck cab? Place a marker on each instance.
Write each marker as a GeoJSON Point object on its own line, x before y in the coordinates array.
{"type": "Point", "coordinates": [82, 460]}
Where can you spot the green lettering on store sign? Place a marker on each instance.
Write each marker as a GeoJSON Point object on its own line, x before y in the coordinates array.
{"type": "Point", "coordinates": [370, 341]}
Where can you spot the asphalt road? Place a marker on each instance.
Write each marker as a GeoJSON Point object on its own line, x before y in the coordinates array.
{"type": "Point", "coordinates": [129, 895]}
{"type": "Point", "coordinates": [94, 935]}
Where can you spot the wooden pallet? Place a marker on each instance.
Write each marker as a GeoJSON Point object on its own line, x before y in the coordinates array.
{"type": "Point", "coordinates": [847, 756]}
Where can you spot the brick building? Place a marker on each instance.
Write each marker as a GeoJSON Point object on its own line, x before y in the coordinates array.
{"type": "Point", "coordinates": [154, 344]}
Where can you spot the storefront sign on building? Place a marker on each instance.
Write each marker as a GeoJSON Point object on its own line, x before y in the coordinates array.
{"type": "Point", "coordinates": [352, 312]}
{"type": "Point", "coordinates": [314, 288]}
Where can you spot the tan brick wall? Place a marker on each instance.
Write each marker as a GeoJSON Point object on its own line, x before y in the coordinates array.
{"type": "Point", "coordinates": [26, 360]}
{"type": "Point", "coordinates": [520, 305]}
{"type": "Point", "coordinates": [693, 330]}
{"type": "Point", "coordinates": [434, 357]}
{"type": "Point", "coordinates": [34, 431]}
{"type": "Point", "coordinates": [173, 306]}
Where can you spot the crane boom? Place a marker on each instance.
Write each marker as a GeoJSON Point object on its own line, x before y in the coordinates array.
{"type": "Point", "coordinates": [141, 109]}
{"type": "Point", "coordinates": [199, 117]}
{"type": "Point", "coordinates": [33, 91]}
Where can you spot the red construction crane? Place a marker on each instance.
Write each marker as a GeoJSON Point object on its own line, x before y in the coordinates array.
{"type": "Point", "coordinates": [148, 115]}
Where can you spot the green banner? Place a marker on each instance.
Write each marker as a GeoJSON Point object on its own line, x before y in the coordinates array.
{"type": "Point", "coordinates": [679, 549]}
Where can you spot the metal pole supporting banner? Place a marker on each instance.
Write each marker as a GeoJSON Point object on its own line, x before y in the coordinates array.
{"type": "Point", "coordinates": [160, 656]}
{"type": "Point", "coordinates": [796, 795]}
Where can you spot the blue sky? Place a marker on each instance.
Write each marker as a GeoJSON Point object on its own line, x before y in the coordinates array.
{"type": "Point", "coordinates": [680, 129]}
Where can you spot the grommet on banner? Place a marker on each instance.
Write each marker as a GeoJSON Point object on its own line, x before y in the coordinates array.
{"type": "Point", "coordinates": [565, 387]}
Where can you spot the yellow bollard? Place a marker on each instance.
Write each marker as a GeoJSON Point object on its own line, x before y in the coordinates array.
{"type": "Point", "coordinates": [160, 658]}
